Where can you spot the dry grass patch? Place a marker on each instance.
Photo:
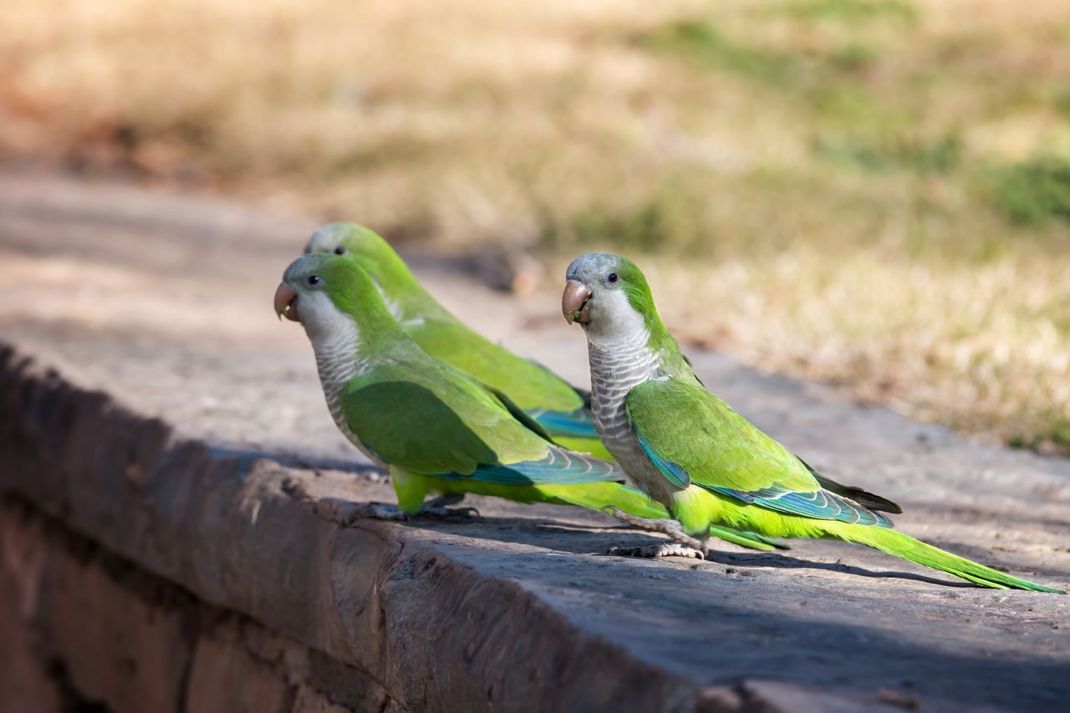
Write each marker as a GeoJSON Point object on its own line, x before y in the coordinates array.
{"type": "Point", "coordinates": [873, 192]}
{"type": "Point", "coordinates": [984, 348]}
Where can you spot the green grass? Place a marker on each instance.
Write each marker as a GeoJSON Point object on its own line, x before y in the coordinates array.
{"type": "Point", "coordinates": [1034, 192]}
{"type": "Point", "coordinates": [1056, 433]}
{"type": "Point", "coordinates": [939, 156]}
{"type": "Point", "coordinates": [853, 12]}
{"type": "Point", "coordinates": [699, 42]}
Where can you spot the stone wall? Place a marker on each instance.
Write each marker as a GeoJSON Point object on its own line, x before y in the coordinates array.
{"type": "Point", "coordinates": [85, 630]}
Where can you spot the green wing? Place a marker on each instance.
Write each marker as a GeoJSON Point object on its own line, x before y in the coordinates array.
{"type": "Point", "coordinates": [693, 437]}
{"type": "Point", "coordinates": [436, 421]}
{"type": "Point", "coordinates": [528, 384]}
{"type": "Point", "coordinates": [520, 414]}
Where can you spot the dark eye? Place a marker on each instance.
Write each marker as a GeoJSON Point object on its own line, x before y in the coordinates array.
{"type": "Point", "coordinates": [612, 277]}
{"type": "Point", "coordinates": [339, 250]}
{"type": "Point", "coordinates": [313, 280]}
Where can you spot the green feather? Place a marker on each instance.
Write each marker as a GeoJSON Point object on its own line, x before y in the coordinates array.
{"type": "Point", "coordinates": [902, 545]}
{"type": "Point", "coordinates": [413, 488]}
{"type": "Point", "coordinates": [709, 442]}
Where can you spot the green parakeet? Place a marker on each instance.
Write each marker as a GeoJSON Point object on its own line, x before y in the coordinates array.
{"type": "Point", "coordinates": [432, 425]}
{"type": "Point", "coordinates": [557, 406]}
{"type": "Point", "coordinates": [694, 454]}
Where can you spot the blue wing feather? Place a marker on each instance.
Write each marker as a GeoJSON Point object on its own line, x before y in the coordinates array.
{"type": "Point", "coordinates": [573, 424]}
{"type": "Point", "coordinates": [820, 504]}
{"type": "Point", "coordinates": [560, 467]}
{"type": "Point", "coordinates": [673, 471]}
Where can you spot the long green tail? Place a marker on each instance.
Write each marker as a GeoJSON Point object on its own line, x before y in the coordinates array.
{"type": "Point", "coordinates": [746, 538]}
{"type": "Point", "coordinates": [901, 545]}
{"type": "Point", "coordinates": [602, 496]}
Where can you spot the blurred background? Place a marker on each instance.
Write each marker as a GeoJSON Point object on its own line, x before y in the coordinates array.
{"type": "Point", "coordinates": [874, 193]}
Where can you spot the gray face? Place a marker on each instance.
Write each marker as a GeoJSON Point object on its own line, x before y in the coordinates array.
{"type": "Point", "coordinates": [605, 313]}
{"type": "Point", "coordinates": [301, 296]}
{"type": "Point", "coordinates": [595, 271]}
{"type": "Point", "coordinates": [304, 275]}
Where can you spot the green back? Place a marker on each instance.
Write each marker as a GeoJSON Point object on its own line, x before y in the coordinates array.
{"type": "Point", "coordinates": [686, 425]}
{"type": "Point", "coordinates": [530, 385]}
{"type": "Point", "coordinates": [692, 436]}
{"type": "Point", "coordinates": [432, 420]}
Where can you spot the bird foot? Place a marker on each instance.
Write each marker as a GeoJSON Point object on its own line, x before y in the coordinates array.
{"type": "Point", "coordinates": [378, 511]}
{"type": "Point", "coordinates": [437, 512]}
{"type": "Point", "coordinates": [682, 545]}
{"type": "Point", "coordinates": [667, 527]}
{"type": "Point", "coordinates": [664, 549]}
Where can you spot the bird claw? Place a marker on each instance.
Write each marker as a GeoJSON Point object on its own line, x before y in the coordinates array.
{"type": "Point", "coordinates": [680, 539]}
{"type": "Point", "coordinates": [386, 511]}
{"type": "Point", "coordinates": [378, 511]}
{"type": "Point", "coordinates": [437, 512]}
{"type": "Point", "coordinates": [663, 549]}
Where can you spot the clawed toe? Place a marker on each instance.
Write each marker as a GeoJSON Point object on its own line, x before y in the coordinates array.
{"type": "Point", "coordinates": [682, 544]}
{"type": "Point", "coordinates": [465, 514]}
{"type": "Point", "coordinates": [385, 511]}
{"type": "Point", "coordinates": [378, 511]}
{"type": "Point", "coordinates": [664, 549]}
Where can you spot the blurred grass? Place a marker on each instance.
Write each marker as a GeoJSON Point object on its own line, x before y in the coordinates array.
{"type": "Point", "coordinates": [871, 192]}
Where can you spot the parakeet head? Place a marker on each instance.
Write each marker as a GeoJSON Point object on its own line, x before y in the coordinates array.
{"type": "Point", "coordinates": [348, 239]}
{"type": "Point", "coordinates": [374, 255]}
{"type": "Point", "coordinates": [608, 295]}
{"type": "Point", "coordinates": [327, 293]}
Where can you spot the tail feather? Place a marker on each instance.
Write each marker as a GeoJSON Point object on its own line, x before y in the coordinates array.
{"type": "Point", "coordinates": [746, 538]}
{"type": "Point", "coordinates": [560, 466]}
{"type": "Point", "coordinates": [906, 547]}
{"type": "Point", "coordinates": [603, 496]}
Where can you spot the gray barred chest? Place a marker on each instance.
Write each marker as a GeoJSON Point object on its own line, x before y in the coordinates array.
{"type": "Point", "coordinates": [614, 374]}
{"type": "Point", "coordinates": [337, 366]}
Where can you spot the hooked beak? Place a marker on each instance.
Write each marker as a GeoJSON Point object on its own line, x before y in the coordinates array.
{"type": "Point", "coordinates": [575, 302]}
{"type": "Point", "coordinates": [286, 302]}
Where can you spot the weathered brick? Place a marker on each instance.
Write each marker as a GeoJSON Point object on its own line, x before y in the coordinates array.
{"type": "Point", "coordinates": [24, 683]}
{"type": "Point", "coordinates": [311, 701]}
{"type": "Point", "coordinates": [226, 679]}
{"type": "Point", "coordinates": [117, 644]}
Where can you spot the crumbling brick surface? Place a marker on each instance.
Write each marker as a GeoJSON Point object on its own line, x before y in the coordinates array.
{"type": "Point", "coordinates": [85, 630]}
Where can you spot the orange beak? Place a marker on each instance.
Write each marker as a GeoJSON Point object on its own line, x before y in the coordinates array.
{"type": "Point", "coordinates": [286, 302]}
{"type": "Point", "coordinates": [575, 303]}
